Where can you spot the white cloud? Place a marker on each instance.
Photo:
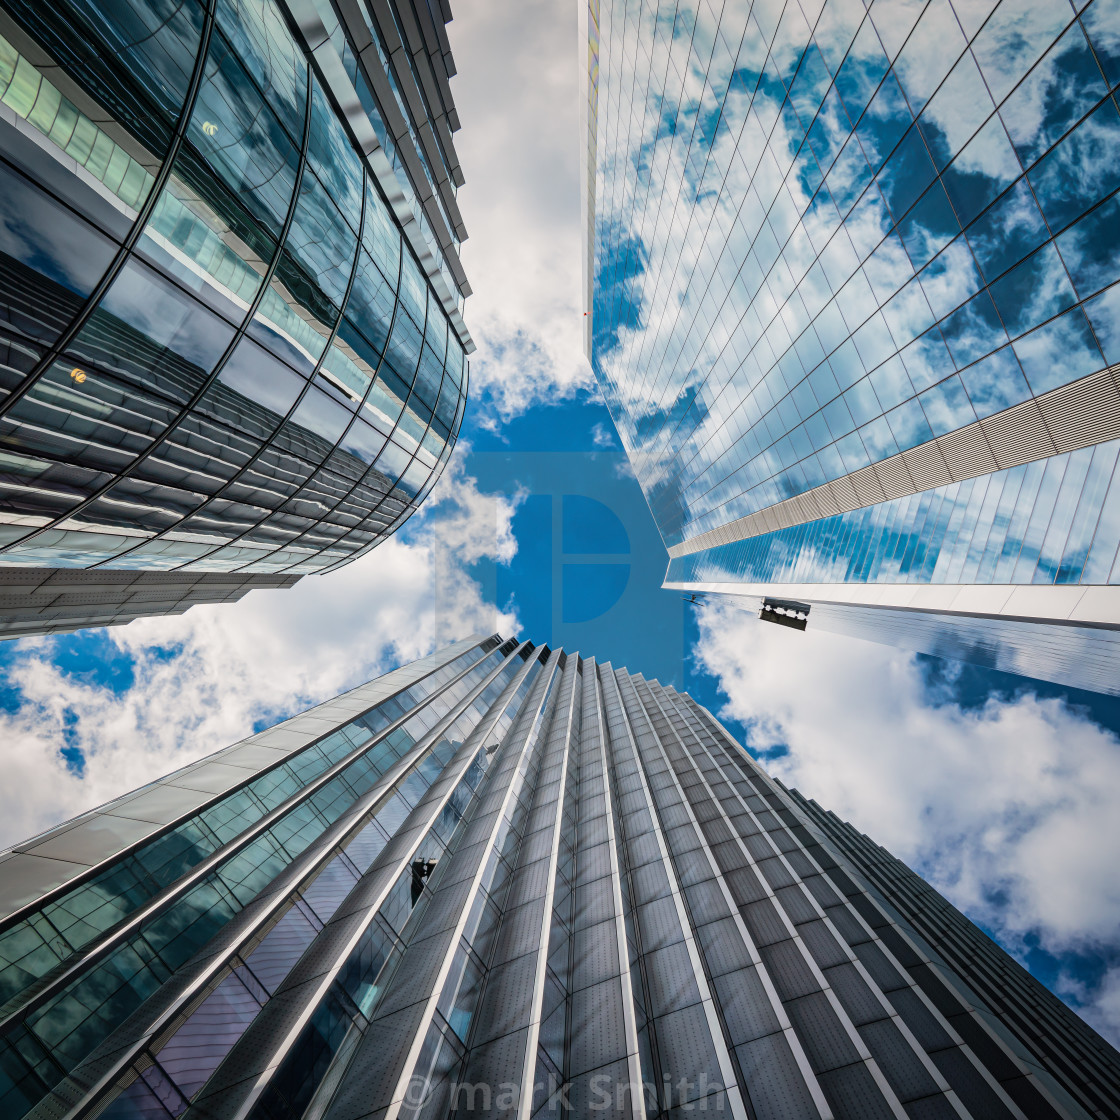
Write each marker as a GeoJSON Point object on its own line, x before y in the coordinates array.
{"type": "Point", "coordinates": [232, 665]}
{"type": "Point", "coordinates": [602, 436]}
{"type": "Point", "coordinates": [1100, 1008]}
{"type": "Point", "coordinates": [1008, 809]}
{"type": "Point", "coordinates": [516, 93]}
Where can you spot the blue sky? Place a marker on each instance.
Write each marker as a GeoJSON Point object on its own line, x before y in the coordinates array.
{"type": "Point", "coordinates": [589, 563]}
{"type": "Point", "coordinates": [994, 788]}
{"type": "Point", "coordinates": [597, 587]}
{"type": "Point", "coordinates": [560, 547]}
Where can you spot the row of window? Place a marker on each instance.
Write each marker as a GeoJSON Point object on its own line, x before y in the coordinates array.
{"type": "Point", "coordinates": [745, 291]}
{"type": "Point", "coordinates": [320, 1058]}
{"type": "Point", "coordinates": [269, 339]}
{"type": "Point", "coordinates": [72, 1022]}
{"type": "Point", "coordinates": [39, 943]}
{"type": "Point", "coordinates": [1051, 521]}
{"type": "Point", "coordinates": [185, 1062]}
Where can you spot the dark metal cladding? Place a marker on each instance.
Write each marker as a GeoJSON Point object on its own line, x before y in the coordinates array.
{"type": "Point", "coordinates": [513, 881]}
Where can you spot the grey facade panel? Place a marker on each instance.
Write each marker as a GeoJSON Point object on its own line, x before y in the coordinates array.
{"type": "Point", "coordinates": [53, 600]}
{"type": "Point", "coordinates": [1056, 1038]}
{"type": "Point", "coordinates": [1066, 419]}
{"type": "Point", "coordinates": [497, 877]}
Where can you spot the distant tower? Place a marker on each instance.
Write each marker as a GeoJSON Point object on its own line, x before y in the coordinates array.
{"type": "Point", "coordinates": [506, 880]}
{"type": "Point", "coordinates": [231, 343]}
{"type": "Point", "coordinates": [851, 275]}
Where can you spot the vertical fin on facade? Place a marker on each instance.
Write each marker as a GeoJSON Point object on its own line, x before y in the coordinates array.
{"type": "Point", "coordinates": [616, 910]}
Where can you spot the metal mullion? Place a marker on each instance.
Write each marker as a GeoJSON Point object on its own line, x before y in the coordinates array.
{"type": "Point", "coordinates": [832, 839]}
{"type": "Point", "coordinates": [854, 1036]}
{"type": "Point", "coordinates": [592, 686]}
{"type": "Point", "coordinates": [125, 249]}
{"type": "Point", "coordinates": [776, 1004]}
{"type": "Point", "coordinates": [36, 905]}
{"type": "Point", "coordinates": [528, 1077]}
{"type": "Point", "coordinates": [212, 377]}
{"type": "Point", "coordinates": [644, 198]}
{"type": "Point", "coordinates": [567, 919]}
{"type": "Point", "coordinates": [536, 800]}
{"type": "Point", "coordinates": [294, 874]}
{"type": "Point", "coordinates": [413, 504]}
{"type": "Point", "coordinates": [270, 441]}
{"type": "Point", "coordinates": [715, 1028]}
{"type": "Point", "coordinates": [342, 953]}
{"type": "Point", "coordinates": [29, 910]}
{"type": "Point", "coordinates": [221, 854]}
{"type": "Point", "coordinates": [834, 849]}
{"type": "Point", "coordinates": [382, 535]}
{"type": "Point", "coordinates": [921, 1054]}
{"type": "Point", "coordinates": [516, 781]}
{"type": "Point", "coordinates": [368, 178]}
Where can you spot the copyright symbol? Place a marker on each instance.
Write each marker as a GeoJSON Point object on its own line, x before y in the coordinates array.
{"type": "Point", "coordinates": [414, 1094]}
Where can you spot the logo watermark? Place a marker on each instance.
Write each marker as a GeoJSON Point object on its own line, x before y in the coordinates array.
{"type": "Point", "coordinates": [589, 565]}
{"type": "Point", "coordinates": [600, 1093]}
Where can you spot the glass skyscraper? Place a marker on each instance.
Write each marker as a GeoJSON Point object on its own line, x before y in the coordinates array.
{"type": "Point", "coordinates": [851, 281]}
{"type": "Point", "coordinates": [232, 349]}
{"type": "Point", "coordinates": [506, 880]}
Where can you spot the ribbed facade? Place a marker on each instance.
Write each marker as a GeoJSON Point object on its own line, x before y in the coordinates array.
{"type": "Point", "coordinates": [853, 297]}
{"type": "Point", "coordinates": [231, 334]}
{"type": "Point", "coordinates": [1056, 1038]}
{"type": "Point", "coordinates": [506, 880]}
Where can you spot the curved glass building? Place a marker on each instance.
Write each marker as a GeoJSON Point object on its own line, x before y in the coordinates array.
{"type": "Point", "coordinates": [853, 282]}
{"type": "Point", "coordinates": [231, 342]}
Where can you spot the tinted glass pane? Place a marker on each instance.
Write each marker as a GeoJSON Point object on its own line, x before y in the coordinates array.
{"type": "Point", "coordinates": [87, 417]}
{"type": "Point", "coordinates": [242, 140]}
{"type": "Point", "coordinates": [134, 58]}
{"type": "Point", "coordinates": [301, 306]}
{"type": "Point", "coordinates": [372, 299]}
{"type": "Point", "coordinates": [258, 382]}
{"type": "Point", "coordinates": [345, 369]}
{"type": "Point", "coordinates": [202, 233]}
{"type": "Point", "coordinates": [363, 441]}
{"type": "Point", "coordinates": [266, 49]}
{"type": "Point", "coordinates": [403, 349]}
{"type": "Point", "coordinates": [50, 259]}
{"type": "Point", "coordinates": [321, 415]}
{"type": "Point", "coordinates": [381, 237]}
{"type": "Point", "coordinates": [1079, 171]}
{"type": "Point", "coordinates": [147, 330]}
{"type": "Point", "coordinates": [414, 289]}
{"type": "Point", "coordinates": [332, 156]}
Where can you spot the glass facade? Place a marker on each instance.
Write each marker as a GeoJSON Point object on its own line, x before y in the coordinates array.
{"type": "Point", "coordinates": [506, 879]}
{"type": "Point", "coordinates": [218, 351]}
{"type": "Point", "coordinates": [1052, 521]}
{"type": "Point", "coordinates": [853, 285]}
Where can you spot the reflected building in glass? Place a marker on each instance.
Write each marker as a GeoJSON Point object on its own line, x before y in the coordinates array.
{"type": "Point", "coordinates": [851, 281]}
{"type": "Point", "coordinates": [232, 349]}
{"type": "Point", "coordinates": [511, 881]}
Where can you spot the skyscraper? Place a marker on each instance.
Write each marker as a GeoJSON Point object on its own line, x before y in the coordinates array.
{"type": "Point", "coordinates": [506, 880]}
{"type": "Point", "coordinates": [232, 349]}
{"type": "Point", "coordinates": [851, 290]}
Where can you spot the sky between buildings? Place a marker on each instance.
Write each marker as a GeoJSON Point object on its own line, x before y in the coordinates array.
{"type": "Point", "coordinates": [997, 789]}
